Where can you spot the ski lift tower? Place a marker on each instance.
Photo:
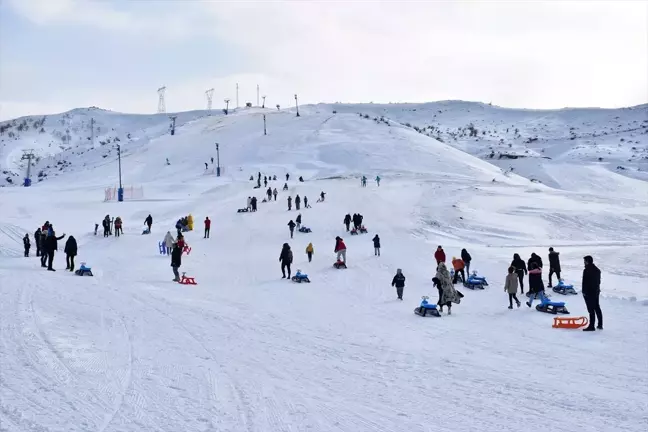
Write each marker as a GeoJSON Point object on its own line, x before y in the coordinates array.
{"type": "Point", "coordinates": [28, 155]}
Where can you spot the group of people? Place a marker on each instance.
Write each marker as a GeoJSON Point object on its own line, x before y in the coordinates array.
{"type": "Point", "coordinates": [363, 181]}
{"type": "Point", "coordinates": [356, 219]}
{"type": "Point", "coordinates": [47, 244]}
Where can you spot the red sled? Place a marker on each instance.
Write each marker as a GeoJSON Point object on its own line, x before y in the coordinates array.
{"type": "Point", "coordinates": [186, 249]}
{"type": "Point", "coordinates": [187, 280]}
{"type": "Point", "coordinates": [340, 265]}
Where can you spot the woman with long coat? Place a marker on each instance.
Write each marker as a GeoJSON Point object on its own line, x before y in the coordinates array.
{"type": "Point", "coordinates": [70, 253]}
{"type": "Point", "coordinates": [449, 295]}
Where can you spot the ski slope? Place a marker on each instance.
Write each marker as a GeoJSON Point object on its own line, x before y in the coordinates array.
{"type": "Point", "coordinates": [244, 350]}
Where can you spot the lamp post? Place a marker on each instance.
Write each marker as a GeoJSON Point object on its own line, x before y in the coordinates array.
{"type": "Point", "coordinates": [265, 132]}
{"type": "Point", "coordinates": [120, 191]}
{"type": "Point", "coordinates": [297, 105]}
{"type": "Point", "coordinates": [217, 161]}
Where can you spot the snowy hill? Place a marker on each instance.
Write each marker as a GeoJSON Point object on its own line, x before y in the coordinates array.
{"type": "Point", "coordinates": [245, 350]}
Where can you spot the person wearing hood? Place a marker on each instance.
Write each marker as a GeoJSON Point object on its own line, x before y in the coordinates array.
{"type": "Point", "coordinates": [70, 253]}
{"type": "Point", "coordinates": [37, 241]}
{"type": "Point", "coordinates": [297, 202]}
{"type": "Point", "coordinates": [554, 265]}
{"type": "Point", "coordinates": [448, 295]}
{"type": "Point", "coordinates": [536, 286]}
{"type": "Point", "coordinates": [510, 286]}
{"type": "Point", "coordinates": [534, 259]}
{"type": "Point", "coordinates": [340, 249]}
{"type": "Point", "coordinates": [465, 256]}
{"type": "Point", "coordinates": [51, 245]}
{"type": "Point", "coordinates": [520, 270]}
{"type": "Point", "coordinates": [291, 227]}
{"type": "Point", "coordinates": [310, 251]}
{"type": "Point", "coordinates": [591, 288]}
{"type": "Point", "coordinates": [253, 202]}
{"type": "Point", "coordinates": [286, 258]}
{"type": "Point", "coordinates": [149, 222]}
{"type": "Point", "coordinates": [269, 193]}
{"type": "Point", "coordinates": [347, 221]}
{"type": "Point", "coordinates": [298, 221]}
{"type": "Point", "coordinates": [26, 244]}
{"type": "Point", "coordinates": [168, 242]}
{"type": "Point", "coordinates": [176, 261]}
{"type": "Point", "coordinates": [399, 282]}
{"type": "Point", "coordinates": [439, 255]}
{"type": "Point", "coordinates": [289, 203]}
{"type": "Point", "coordinates": [376, 243]}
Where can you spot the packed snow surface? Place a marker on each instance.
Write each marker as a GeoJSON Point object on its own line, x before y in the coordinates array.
{"type": "Point", "coordinates": [244, 350]}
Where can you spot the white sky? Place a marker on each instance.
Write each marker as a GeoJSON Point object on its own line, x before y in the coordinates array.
{"type": "Point", "coordinates": [534, 54]}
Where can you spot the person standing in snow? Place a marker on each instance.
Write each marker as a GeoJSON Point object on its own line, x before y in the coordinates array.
{"type": "Point", "coordinates": [168, 242]}
{"type": "Point", "coordinates": [554, 265]}
{"type": "Point", "coordinates": [274, 192]}
{"type": "Point", "coordinates": [306, 202]}
{"type": "Point", "coordinates": [285, 186]}
{"type": "Point", "coordinates": [106, 226]}
{"type": "Point", "coordinates": [206, 166]}
{"type": "Point", "coordinates": [253, 202]}
{"type": "Point", "coordinates": [591, 288]}
{"type": "Point", "coordinates": [520, 270]}
{"type": "Point", "coordinates": [43, 239]}
{"type": "Point", "coordinates": [439, 255]}
{"type": "Point", "coordinates": [269, 193]}
{"type": "Point", "coordinates": [286, 258]}
{"type": "Point", "coordinates": [291, 227]}
{"type": "Point", "coordinates": [149, 222]}
{"type": "Point", "coordinates": [118, 226]}
{"type": "Point", "coordinates": [26, 244]}
{"type": "Point", "coordinates": [287, 176]}
{"type": "Point", "coordinates": [536, 286]}
{"type": "Point", "coordinates": [289, 203]}
{"type": "Point", "coordinates": [310, 251]}
{"type": "Point", "coordinates": [399, 282]}
{"type": "Point", "coordinates": [376, 243]}
{"type": "Point", "coordinates": [265, 181]}
{"type": "Point", "coordinates": [207, 227]}
{"type": "Point", "coordinates": [51, 245]}
{"type": "Point", "coordinates": [176, 261]}
{"type": "Point", "coordinates": [449, 295]}
{"type": "Point", "coordinates": [465, 256]}
{"type": "Point", "coordinates": [249, 204]}
{"type": "Point", "coordinates": [340, 249]}
{"type": "Point", "coordinates": [354, 218]}
{"type": "Point", "coordinates": [70, 253]}
{"type": "Point", "coordinates": [363, 181]}
{"type": "Point", "coordinates": [297, 202]}
{"type": "Point", "coordinates": [347, 221]}
{"type": "Point", "coordinates": [322, 196]}
{"type": "Point", "coordinates": [458, 265]}
{"type": "Point", "coordinates": [360, 218]}
{"type": "Point", "coordinates": [510, 286]}
{"type": "Point", "coordinates": [37, 241]}
{"type": "Point", "coordinates": [298, 221]}
{"type": "Point", "coordinates": [378, 180]}
{"type": "Point", "coordinates": [534, 259]}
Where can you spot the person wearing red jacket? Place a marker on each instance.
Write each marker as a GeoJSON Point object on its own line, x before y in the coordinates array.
{"type": "Point", "coordinates": [439, 255]}
{"type": "Point", "coordinates": [340, 249]}
{"type": "Point", "coordinates": [207, 227]}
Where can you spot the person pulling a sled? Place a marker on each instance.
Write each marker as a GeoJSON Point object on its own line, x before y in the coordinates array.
{"type": "Point", "coordinates": [439, 255]}
{"type": "Point", "coordinates": [536, 286]}
{"type": "Point", "coordinates": [520, 270]}
{"type": "Point", "coordinates": [149, 222]}
{"type": "Point", "coordinates": [554, 265]}
{"type": "Point", "coordinates": [291, 227]}
{"type": "Point", "coordinates": [510, 286]}
{"type": "Point", "coordinates": [310, 251]}
{"type": "Point", "coordinates": [286, 258]}
{"type": "Point", "coordinates": [340, 249]}
{"type": "Point", "coordinates": [70, 253]}
{"type": "Point", "coordinates": [176, 261]}
{"type": "Point", "coordinates": [399, 282]}
{"type": "Point", "coordinates": [26, 244]}
{"type": "Point", "coordinates": [448, 294]}
{"type": "Point", "coordinates": [347, 221]}
{"type": "Point", "coordinates": [591, 287]}
{"type": "Point", "coordinates": [376, 243]}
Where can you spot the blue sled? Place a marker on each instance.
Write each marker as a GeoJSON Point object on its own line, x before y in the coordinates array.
{"type": "Point", "coordinates": [426, 308]}
{"type": "Point", "coordinates": [552, 307]}
{"type": "Point", "coordinates": [300, 277]}
{"type": "Point", "coordinates": [162, 247]}
{"type": "Point", "coordinates": [475, 282]}
{"type": "Point", "coordinates": [84, 271]}
{"type": "Point", "coordinates": [563, 288]}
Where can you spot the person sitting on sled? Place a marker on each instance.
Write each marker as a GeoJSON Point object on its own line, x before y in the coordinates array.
{"type": "Point", "coordinates": [536, 286]}
{"type": "Point", "coordinates": [340, 249]}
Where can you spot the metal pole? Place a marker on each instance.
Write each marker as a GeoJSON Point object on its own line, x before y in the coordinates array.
{"type": "Point", "coordinates": [119, 159]}
{"type": "Point", "coordinates": [264, 126]}
{"type": "Point", "coordinates": [217, 161]}
{"type": "Point", "coordinates": [297, 105]}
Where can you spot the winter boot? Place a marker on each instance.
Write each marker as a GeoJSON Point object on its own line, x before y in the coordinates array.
{"type": "Point", "coordinates": [589, 328]}
{"type": "Point", "coordinates": [511, 307]}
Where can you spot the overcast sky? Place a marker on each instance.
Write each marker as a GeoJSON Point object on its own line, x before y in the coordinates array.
{"type": "Point", "coordinates": [60, 54]}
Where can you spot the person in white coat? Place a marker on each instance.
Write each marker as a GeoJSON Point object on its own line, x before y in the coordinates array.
{"type": "Point", "coordinates": [168, 242]}
{"type": "Point", "coordinates": [448, 295]}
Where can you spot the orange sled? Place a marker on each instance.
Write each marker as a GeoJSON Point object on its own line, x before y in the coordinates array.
{"type": "Point", "coordinates": [185, 280]}
{"type": "Point", "coordinates": [570, 322]}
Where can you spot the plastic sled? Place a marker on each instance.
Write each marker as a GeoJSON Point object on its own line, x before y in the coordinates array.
{"type": "Point", "coordinates": [340, 265]}
{"type": "Point", "coordinates": [162, 248]}
{"type": "Point", "coordinates": [563, 288]}
{"type": "Point", "coordinates": [354, 231]}
{"type": "Point", "coordinates": [570, 322]}
{"type": "Point", "coordinates": [186, 249]}
{"type": "Point", "coordinates": [363, 230]}
{"type": "Point", "coordinates": [426, 308]}
{"type": "Point", "coordinates": [304, 229]}
{"type": "Point", "coordinates": [475, 283]}
{"type": "Point", "coordinates": [242, 210]}
{"type": "Point", "coordinates": [552, 307]}
{"type": "Point", "coordinates": [146, 231]}
{"type": "Point", "coordinates": [300, 277]}
{"type": "Point", "coordinates": [84, 271]}
{"type": "Point", "coordinates": [187, 280]}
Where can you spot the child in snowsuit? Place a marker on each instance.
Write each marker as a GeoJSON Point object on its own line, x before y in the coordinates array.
{"type": "Point", "coordinates": [291, 227]}
{"type": "Point", "coordinates": [376, 243]}
{"type": "Point", "coordinates": [26, 244]}
{"type": "Point", "coordinates": [399, 283]}
{"type": "Point", "coordinates": [310, 251]}
{"type": "Point", "coordinates": [286, 258]}
{"type": "Point", "coordinates": [176, 261]}
{"type": "Point", "coordinates": [510, 286]}
{"type": "Point", "coordinates": [340, 249]}
{"type": "Point", "coordinates": [520, 269]}
{"type": "Point", "coordinates": [536, 286]}
{"type": "Point", "coordinates": [70, 253]}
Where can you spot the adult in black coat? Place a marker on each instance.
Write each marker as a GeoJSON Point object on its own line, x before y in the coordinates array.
{"type": "Point", "coordinates": [43, 239]}
{"type": "Point", "coordinates": [297, 202]}
{"type": "Point", "coordinates": [554, 265]}
{"type": "Point", "coordinates": [286, 258]}
{"type": "Point", "coordinates": [466, 258]}
{"type": "Point", "coordinates": [70, 253]}
{"type": "Point", "coordinates": [591, 288]}
{"type": "Point", "coordinates": [176, 261]}
{"type": "Point", "coordinates": [51, 245]}
{"type": "Point", "coordinates": [399, 283]}
{"type": "Point", "coordinates": [520, 269]}
{"type": "Point", "coordinates": [149, 221]}
{"type": "Point", "coordinates": [347, 221]}
{"type": "Point", "coordinates": [298, 220]}
{"type": "Point", "coordinates": [37, 241]}
{"type": "Point", "coordinates": [376, 243]}
{"type": "Point", "coordinates": [291, 227]}
{"type": "Point", "coordinates": [535, 259]}
{"type": "Point", "coordinates": [355, 220]}
{"type": "Point", "coordinates": [26, 244]}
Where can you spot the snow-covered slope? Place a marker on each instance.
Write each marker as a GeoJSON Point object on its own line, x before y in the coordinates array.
{"type": "Point", "coordinates": [245, 350]}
